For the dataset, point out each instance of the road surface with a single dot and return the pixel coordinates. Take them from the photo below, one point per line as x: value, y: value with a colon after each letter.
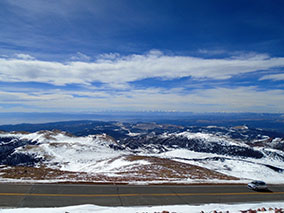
x: 55, y: 195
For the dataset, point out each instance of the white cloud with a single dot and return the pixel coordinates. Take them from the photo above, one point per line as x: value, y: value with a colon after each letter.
x: 119, y: 70
x: 80, y: 57
x: 109, y: 56
x: 274, y: 77
x: 24, y: 56
x: 241, y: 99
x: 249, y: 55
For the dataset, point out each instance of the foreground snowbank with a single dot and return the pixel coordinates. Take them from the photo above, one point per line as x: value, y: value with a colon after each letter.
x: 232, y: 208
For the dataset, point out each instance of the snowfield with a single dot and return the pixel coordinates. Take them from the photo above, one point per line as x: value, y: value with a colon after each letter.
x: 245, y: 169
x: 75, y: 154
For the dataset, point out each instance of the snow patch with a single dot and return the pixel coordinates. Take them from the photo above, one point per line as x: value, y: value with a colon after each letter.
x: 232, y: 208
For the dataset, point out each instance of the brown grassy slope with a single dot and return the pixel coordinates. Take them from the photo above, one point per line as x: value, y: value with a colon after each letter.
x: 158, y: 169
x: 167, y: 169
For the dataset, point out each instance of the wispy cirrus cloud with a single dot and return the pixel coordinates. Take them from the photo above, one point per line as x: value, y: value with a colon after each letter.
x: 273, y: 77
x: 80, y: 57
x: 118, y: 69
x: 240, y: 99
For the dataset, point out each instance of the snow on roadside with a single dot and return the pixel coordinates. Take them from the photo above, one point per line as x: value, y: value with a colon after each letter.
x: 232, y: 208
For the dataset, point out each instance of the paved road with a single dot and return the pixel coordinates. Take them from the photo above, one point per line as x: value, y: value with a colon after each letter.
x: 52, y: 195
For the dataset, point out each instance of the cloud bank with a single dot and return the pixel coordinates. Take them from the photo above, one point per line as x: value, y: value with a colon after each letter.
x: 115, y: 92
x: 123, y: 69
x: 241, y: 99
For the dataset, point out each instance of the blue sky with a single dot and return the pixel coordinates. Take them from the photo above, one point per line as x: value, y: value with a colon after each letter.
x: 132, y: 55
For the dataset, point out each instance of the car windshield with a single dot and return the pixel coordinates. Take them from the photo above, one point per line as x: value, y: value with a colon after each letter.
x: 258, y: 182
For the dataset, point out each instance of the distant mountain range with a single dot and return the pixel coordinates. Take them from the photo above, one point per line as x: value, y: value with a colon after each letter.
x: 269, y: 121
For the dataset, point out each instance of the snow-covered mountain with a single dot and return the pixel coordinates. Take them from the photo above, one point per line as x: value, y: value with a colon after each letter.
x: 144, y: 152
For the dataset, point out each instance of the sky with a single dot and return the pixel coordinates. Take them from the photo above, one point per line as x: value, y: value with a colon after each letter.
x: 151, y: 55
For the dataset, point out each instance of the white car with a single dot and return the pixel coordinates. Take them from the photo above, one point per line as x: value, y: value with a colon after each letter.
x: 257, y: 185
